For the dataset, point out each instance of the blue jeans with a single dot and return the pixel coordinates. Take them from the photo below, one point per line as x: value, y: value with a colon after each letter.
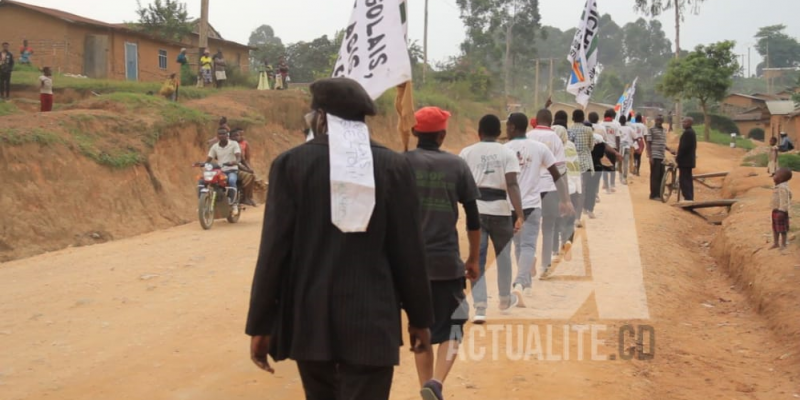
x: 501, y: 230
x: 233, y: 177
x: 525, y: 246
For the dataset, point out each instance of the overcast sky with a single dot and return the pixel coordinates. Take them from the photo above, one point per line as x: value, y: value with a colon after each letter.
x: 297, y: 20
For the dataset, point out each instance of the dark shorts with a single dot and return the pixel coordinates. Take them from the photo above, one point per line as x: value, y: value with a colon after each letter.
x: 780, y: 221
x: 450, y: 310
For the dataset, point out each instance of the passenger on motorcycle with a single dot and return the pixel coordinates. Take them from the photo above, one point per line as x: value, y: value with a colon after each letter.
x: 246, y: 173
x: 228, y: 155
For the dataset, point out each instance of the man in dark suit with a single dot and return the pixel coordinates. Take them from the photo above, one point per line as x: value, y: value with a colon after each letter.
x: 687, y: 159
x: 331, y: 300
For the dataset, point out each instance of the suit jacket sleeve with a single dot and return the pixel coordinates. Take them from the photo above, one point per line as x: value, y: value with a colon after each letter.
x: 406, y: 249
x: 274, y: 255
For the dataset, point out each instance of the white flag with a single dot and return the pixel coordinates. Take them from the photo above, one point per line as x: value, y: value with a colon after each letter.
x: 374, y: 52
x: 583, y: 55
x: 627, y: 105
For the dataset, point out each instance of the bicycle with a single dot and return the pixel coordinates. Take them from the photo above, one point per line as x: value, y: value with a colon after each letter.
x: 669, y: 183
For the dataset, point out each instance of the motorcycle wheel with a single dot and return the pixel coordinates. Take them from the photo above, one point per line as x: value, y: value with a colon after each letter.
x: 205, y: 212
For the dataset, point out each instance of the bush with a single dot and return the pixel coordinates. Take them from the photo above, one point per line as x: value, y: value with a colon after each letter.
x: 791, y: 161
x: 757, y: 134
x: 718, y: 122
x: 238, y: 78
x: 724, y: 139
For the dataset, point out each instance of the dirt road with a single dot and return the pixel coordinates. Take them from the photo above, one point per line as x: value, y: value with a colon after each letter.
x: 161, y: 316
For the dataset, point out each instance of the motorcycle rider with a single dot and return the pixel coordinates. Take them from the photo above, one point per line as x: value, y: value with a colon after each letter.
x: 228, y: 155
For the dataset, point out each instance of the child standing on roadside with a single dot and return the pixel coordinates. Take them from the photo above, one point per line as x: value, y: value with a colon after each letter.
x: 772, y: 166
x: 46, y: 90
x: 781, y: 199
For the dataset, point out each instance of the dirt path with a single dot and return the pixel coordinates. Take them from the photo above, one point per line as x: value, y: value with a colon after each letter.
x: 161, y: 316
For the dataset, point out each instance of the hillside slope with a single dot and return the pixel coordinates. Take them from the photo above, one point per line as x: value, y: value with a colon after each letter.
x: 119, y: 165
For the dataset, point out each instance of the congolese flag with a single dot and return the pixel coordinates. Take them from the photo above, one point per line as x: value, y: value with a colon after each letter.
x: 583, y: 55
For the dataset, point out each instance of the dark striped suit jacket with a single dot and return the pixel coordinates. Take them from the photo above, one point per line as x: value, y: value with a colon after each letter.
x: 328, y: 296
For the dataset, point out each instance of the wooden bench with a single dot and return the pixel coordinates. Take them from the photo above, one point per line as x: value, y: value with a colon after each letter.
x: 702, y: 178
x: 693, y: 206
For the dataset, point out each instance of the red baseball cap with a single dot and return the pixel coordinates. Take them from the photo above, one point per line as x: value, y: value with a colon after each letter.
x: 431, y: 119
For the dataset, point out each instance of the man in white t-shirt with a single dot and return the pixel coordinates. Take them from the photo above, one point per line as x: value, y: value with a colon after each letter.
x: 495, y: 170
x: 611, y: 138
x: 641, y: 132
x: 626, y: 143
x: 535, y: 159
x: 228, y: 155
x: 547, y: 186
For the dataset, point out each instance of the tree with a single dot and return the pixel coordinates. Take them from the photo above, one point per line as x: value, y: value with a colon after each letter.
x: 796, y: 96
x: 782, y: 49
x: 654, y: 8
x: 609, y: 88
x: 312, y: 60
x: 705, y: 74
x: 492, y: 29
x: 268, y: 46
x: 168, y: 19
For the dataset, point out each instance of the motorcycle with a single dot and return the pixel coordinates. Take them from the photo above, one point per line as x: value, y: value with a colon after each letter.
x: 213, y: 189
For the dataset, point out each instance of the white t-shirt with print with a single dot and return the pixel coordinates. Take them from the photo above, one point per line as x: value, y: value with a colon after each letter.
x: 489, y: 163
x: 612, y: 132
x: 225, y: 154
x: 626, y: 136
x: 549, y: 138
x: 534, y: 160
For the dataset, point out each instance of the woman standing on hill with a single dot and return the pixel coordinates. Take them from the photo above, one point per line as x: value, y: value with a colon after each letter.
x: 205, y: 68
x: 219, y: 68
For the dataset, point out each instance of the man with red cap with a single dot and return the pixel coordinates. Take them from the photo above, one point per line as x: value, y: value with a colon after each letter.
x: 443, y: 181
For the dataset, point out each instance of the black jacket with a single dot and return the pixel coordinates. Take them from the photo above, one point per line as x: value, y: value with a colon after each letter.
x: 687, y: 150
x: 328, y: 296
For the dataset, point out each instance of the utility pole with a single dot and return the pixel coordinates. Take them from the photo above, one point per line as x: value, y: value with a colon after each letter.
x: 677, y: 6
x: 766, y: 72
x: 425, y: 45
x: 748, y: 62
x: 203, y: 40
x: 551, y: 78
x: 536, y: 88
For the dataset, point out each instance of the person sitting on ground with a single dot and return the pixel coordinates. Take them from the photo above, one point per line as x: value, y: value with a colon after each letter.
x: 247, y: 176
x: 25, y: 53
x: 786, y: 143
x: 228, y: 155
x: 781, y: 200
x: 170, y: 88
x: 772, y: 165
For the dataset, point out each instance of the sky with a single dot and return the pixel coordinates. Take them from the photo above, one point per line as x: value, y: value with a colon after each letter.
x: 304, y: 20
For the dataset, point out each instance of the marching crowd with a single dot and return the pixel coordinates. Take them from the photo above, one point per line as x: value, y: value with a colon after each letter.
x: 331, y: 301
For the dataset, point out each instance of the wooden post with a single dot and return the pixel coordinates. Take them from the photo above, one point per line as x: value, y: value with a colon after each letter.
x: 551, y: 77
x: 536, y: 88
x: 425, y: 45
x: 203, y: 39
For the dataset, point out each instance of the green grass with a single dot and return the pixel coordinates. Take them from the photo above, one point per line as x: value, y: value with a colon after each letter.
x: 724, y: 139
x: 101, y: 86
x: 17, y: 137
x: 115, y: 158
x: 7, y: 108
x: 791, y: 161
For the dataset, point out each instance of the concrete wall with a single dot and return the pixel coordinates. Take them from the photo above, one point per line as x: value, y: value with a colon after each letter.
x: 47, y: 36
x: 61, y: 45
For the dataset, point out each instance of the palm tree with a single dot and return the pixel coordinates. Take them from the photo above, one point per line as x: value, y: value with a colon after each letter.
x: 654, y: 8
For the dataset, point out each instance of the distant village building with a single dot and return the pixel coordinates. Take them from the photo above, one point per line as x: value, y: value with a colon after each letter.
x: 77, y: 45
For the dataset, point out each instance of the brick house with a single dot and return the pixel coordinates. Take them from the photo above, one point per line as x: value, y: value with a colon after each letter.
x: 73, y: 44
